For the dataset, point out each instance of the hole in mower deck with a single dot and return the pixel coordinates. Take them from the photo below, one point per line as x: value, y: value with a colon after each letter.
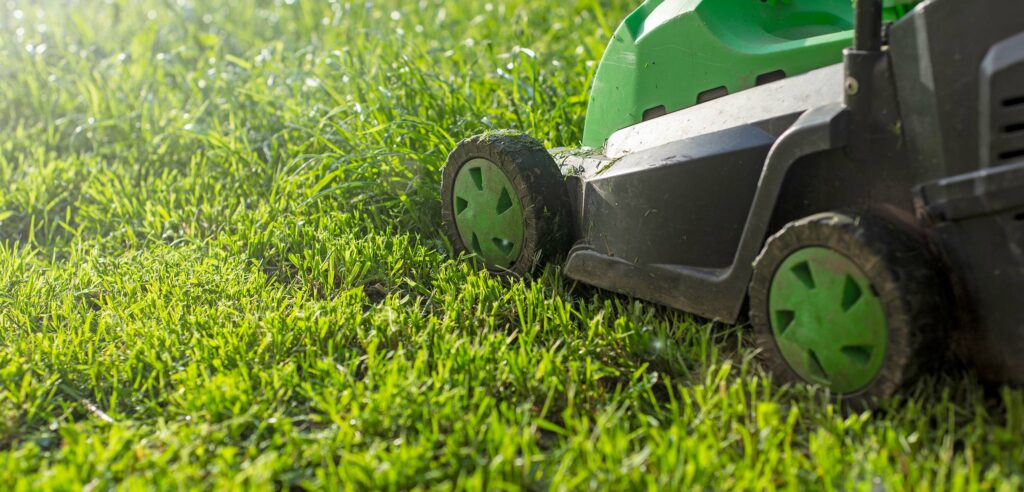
x: 767, y: 78
x: 1013, y: 101
x: 712, y: 94
x: 1013, y: 154
x: 655, y: 112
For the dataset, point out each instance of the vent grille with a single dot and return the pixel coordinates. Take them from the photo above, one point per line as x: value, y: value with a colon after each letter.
x: 1008, y: 144
x: 1013, y: 102
x: 1011, y: 155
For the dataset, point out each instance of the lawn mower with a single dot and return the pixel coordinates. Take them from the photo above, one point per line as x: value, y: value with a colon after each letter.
x: 847, y: 177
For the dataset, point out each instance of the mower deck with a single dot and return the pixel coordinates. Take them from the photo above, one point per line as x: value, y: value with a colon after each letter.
x: 641, y: 210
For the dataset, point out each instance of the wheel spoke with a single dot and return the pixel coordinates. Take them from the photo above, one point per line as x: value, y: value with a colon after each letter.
x: 488, y: 213
x: 861, y: 324
x: 827, y: 321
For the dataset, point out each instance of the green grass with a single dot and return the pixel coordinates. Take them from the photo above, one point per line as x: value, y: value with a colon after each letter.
x: 220, y: 267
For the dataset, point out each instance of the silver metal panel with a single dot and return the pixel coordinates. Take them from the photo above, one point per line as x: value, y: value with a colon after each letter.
x: 788, y: 96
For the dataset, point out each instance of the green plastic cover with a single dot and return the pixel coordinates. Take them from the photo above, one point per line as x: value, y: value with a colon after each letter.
x: 672, y: 54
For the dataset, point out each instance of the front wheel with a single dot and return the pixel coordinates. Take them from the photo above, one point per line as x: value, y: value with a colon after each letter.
x: 850, y: 302
x: 504, y: 201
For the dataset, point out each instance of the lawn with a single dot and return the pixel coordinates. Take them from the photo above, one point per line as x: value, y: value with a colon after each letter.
x: 221, y: 267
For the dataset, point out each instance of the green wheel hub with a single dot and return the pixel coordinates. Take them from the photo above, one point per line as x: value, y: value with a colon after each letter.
x: 827, y: 320
x: 488, y: 213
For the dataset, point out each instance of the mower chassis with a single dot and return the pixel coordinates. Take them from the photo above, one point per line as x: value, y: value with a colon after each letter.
x: 628, y: 203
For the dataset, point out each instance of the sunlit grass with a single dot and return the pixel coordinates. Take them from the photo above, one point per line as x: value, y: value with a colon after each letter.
x: 220, y: 266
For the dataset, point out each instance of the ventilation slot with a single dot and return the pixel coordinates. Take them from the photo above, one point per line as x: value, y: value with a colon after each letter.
x: 1014, y: 128
x: 1008, y: 145
x: 1013, y: 102
x: 655, y: 112
x: 767, y: 78
x: 712, y: 94
x: 1013, y: 154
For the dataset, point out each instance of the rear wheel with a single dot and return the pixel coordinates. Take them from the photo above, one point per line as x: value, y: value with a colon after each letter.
x: 849, y: 302
x: 505, y: 201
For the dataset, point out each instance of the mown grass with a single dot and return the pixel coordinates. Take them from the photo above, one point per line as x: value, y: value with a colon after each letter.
x: 220, y: 267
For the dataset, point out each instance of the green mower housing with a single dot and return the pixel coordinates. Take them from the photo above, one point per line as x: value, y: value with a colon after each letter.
x: 670, y: 55
x: 849, y: 179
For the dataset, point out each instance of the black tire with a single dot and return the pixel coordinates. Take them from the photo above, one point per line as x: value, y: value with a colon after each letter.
x: 539, y: 185
x: 904, y: 274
